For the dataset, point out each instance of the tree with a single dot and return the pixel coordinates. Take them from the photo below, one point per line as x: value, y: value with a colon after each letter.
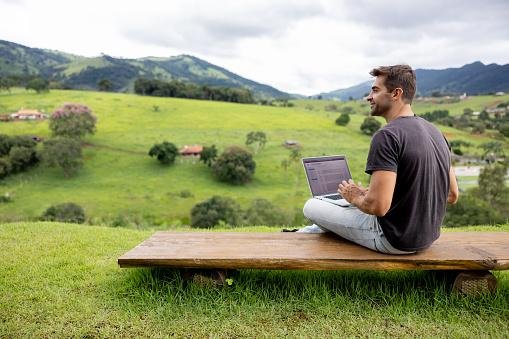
x: 370, y: 126
x: 104, y: 85
x: 6, y: 84
x: 72, y: 121
x: 258, y: 138
x: 468, y: 111
x: 215, y: 210
x: 208, y: 155
x: 66, y: 212
x: 492, y: 187
x: 343, y: 119
x: 22, y: 158
x: 166, y: 152
x: 64, y: 153
x: 38, y: 84
x: 235, y: 165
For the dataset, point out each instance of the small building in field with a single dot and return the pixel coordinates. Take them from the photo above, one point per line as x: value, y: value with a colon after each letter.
x: 28, y: 114
x: 191, y: 151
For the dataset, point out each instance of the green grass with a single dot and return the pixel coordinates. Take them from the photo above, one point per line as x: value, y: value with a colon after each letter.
x: 62, y: 280
x: 120, y: 179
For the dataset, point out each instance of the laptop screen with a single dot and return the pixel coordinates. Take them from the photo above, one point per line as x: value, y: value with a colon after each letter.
x: 324, y: 174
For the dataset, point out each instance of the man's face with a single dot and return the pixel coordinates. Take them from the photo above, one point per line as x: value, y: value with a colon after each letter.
x: 379, y: 98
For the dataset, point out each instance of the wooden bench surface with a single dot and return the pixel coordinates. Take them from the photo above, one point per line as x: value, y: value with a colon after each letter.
x: 452, y: 251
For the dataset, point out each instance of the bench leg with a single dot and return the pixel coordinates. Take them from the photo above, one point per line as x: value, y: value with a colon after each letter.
x: 214, y: 277
x: 474, y: 283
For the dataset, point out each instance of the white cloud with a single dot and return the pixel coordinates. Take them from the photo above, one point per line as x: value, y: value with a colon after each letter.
x: 297, y: 46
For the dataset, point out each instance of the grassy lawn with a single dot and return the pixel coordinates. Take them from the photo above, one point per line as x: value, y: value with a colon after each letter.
x: 120, y: 179
x: 62, y: 280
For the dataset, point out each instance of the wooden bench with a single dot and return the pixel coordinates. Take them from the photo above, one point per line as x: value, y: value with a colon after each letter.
x: 468, y: 256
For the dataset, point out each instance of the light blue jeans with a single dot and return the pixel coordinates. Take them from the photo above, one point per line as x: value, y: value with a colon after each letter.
x: 350, y: 223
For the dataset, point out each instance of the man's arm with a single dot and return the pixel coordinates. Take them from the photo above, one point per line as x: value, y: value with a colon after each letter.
x: 377, y: 200
x: 453, y: 195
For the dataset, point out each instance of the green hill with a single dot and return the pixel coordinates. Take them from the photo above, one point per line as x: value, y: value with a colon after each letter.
x: 119, y: 179
x: 80, y: 72
x: 62, y: 280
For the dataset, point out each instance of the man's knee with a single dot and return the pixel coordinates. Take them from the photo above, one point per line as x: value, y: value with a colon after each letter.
x: 311, y: 208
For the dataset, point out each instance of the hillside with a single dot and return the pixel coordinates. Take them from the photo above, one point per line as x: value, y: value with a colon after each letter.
x: 84, y: 73
x: 120, y: 182
x: 62, y: 280
x: 473, y: 79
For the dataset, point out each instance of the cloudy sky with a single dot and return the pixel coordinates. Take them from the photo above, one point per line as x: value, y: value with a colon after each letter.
x: 299, y: 46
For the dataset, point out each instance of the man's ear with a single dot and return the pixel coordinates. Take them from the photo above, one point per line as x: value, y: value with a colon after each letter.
x: 397, y: 94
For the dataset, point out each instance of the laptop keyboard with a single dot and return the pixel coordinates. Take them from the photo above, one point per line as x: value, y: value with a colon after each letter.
x: 333, y: 197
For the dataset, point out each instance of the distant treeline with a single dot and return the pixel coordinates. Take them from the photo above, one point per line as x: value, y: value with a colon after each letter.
x: 179, y: 89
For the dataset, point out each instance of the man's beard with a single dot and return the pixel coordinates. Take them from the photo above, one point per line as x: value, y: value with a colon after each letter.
x: 378, y: 110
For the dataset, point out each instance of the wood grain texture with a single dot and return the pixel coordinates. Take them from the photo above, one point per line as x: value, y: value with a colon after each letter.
x: 453, y: 251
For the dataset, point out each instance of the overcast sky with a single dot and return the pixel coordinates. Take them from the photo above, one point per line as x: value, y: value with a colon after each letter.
x: 297, y: 46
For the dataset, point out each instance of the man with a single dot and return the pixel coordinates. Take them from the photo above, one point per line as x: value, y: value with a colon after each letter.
x: 411, y: 176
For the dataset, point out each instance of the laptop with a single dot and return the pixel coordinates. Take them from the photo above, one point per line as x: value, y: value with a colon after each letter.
x: 324, y: 174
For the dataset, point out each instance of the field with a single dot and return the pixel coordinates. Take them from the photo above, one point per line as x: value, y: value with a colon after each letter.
x: 61, y: 280
x: 119, y: 179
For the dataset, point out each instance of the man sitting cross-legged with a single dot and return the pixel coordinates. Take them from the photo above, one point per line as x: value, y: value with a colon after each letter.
x: 411, y: 177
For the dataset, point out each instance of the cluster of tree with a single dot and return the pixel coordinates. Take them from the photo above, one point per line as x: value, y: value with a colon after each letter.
x: 477, y: 124
x: 36, y: 83
x: 221, y: 210
x: 492, y: 150
x: 17, y: 154
x: 235, y: 165
x: 179, y: 89
x: 276, y: 103
x: 486, y: 204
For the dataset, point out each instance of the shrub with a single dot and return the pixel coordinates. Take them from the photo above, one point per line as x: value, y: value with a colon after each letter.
x: 5, y: 198
x: 166, y: 152
x: 72, y: 121
x: 235, y: 166
x: 470, y: 210
x: 64, y: 153
x: 215, y: 210
x: 66, y: 212
x: 22, y: 158
x: 331, y: 108
x: 370, y: 126
x: 343, y: 119
x: 7, y: 142
x: 186, y: 194
x: 263, y: 212
x: 5, y: 167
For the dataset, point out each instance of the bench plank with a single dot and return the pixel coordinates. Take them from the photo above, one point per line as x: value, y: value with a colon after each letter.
x: 234, y: 250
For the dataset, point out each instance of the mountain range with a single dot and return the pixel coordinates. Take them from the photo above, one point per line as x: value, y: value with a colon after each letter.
x: 74, y: 71
x: 80, y: 72
x: 474, y: 78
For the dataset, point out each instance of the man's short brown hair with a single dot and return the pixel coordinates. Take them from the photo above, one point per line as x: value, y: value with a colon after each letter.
x: 398, y: 76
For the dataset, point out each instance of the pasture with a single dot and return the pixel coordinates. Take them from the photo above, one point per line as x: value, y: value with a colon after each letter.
x: 119, y: 180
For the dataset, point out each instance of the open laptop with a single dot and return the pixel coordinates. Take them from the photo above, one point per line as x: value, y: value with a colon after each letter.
x: 324, y: 174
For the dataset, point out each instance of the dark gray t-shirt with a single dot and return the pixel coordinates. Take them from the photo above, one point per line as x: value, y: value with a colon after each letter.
x: 419, y: 154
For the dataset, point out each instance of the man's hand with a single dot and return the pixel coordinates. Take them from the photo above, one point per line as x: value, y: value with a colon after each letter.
x: 351, y: 192
x: 377, y: 200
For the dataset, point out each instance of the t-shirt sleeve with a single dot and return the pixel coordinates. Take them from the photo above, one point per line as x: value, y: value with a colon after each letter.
x: 383, y: 153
